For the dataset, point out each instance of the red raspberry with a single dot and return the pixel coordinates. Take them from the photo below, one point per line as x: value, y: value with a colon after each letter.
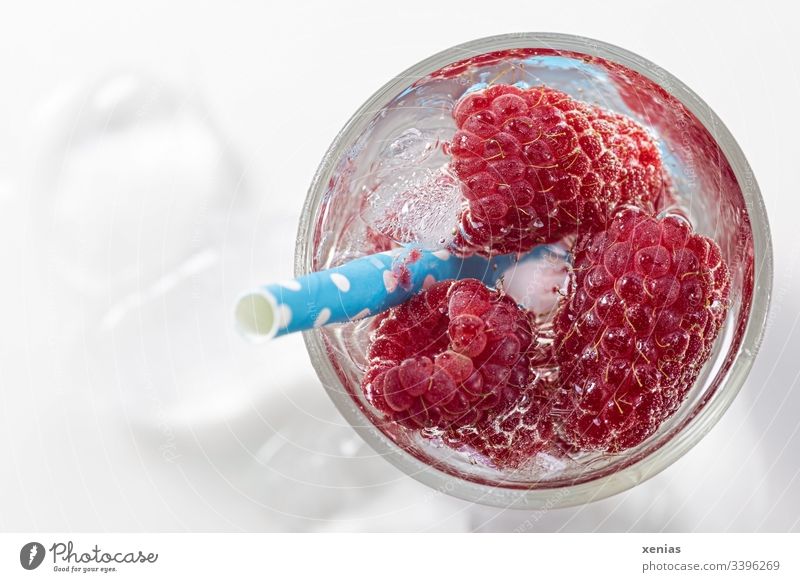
x: 449, y: 356
x: 646, y: 302
x: 536, y: 165
x: 512, y: 437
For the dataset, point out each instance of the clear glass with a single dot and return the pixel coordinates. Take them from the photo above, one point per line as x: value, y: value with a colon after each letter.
x: 716, y: 189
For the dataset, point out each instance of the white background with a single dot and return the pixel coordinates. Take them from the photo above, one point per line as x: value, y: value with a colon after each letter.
x: 153, y: 161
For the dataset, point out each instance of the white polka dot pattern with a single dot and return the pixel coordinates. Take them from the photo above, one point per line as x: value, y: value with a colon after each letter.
x: 342, y: 283
x: 323, y: 317
x: 284, y: 316
x: 389, y: 281
x: 291, y: 285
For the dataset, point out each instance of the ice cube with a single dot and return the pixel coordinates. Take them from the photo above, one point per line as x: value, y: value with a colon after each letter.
x: 539, y: 280
x: 415, y: 205
x: 408, y: 149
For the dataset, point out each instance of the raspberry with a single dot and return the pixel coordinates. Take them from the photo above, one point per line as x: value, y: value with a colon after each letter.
x: 646, y: 302
x: 536, y: 165
x: 450, y: 356
x: 513, y: 436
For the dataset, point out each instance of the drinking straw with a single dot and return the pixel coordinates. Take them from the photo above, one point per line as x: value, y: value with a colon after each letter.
x: 357, y: 289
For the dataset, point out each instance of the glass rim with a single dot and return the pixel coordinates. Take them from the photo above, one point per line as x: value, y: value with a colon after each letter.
x: 512, y: 495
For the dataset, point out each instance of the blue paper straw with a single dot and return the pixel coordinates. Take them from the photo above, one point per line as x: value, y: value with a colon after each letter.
x: 357, y: 289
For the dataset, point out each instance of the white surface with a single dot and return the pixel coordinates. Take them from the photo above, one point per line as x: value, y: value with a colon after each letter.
x: 130, y: 404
